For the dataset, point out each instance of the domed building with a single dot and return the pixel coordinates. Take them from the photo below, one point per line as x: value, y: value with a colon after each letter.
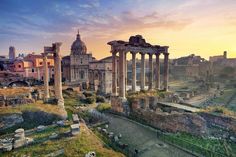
x: 76, y: 65
x: 81, y: 69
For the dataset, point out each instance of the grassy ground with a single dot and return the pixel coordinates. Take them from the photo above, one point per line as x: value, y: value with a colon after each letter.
x: 38, y: 106
x: 203, y: 146
x: 77, y: 146
x: 14, y: 91
x: 73, y: 146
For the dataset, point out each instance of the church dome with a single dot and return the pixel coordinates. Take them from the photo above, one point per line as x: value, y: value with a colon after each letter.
x: 78, y: 47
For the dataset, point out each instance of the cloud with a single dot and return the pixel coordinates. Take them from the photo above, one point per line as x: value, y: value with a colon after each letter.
x: 110, y: 25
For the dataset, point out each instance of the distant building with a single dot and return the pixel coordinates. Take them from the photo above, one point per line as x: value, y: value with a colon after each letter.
x: 32, y: 66
x: 12, y: 53
x: 190, y: 67
x: 83, y: 70
x: 100, y: 75
x: 219, y: 63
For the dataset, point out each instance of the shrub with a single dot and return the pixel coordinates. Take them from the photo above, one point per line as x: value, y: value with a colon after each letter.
x: 103, y: 107
x: 90, y: 100
x: 100, y: 99
x: 88, y: 94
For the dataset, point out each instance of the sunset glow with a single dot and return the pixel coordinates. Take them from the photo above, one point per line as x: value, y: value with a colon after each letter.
x: 202, y: 27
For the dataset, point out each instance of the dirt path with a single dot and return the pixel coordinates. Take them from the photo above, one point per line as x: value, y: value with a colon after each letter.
x: 143, y: 138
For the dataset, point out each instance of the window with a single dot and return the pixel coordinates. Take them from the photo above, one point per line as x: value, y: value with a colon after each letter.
x: 52, y: 69
x: 48, y: 63
x: 40, y: 63
x: 19, y: 66
x: 32, y: 70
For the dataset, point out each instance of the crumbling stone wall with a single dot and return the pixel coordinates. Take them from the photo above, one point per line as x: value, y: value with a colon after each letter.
x: 15, y: 100
x: 228, y: 123
x: 173, y: 122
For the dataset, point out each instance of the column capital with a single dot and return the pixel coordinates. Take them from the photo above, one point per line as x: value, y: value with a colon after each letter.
x: 166, y: 54
x: 142, y: 53
x: 150, y: 54
x: 133, y: 52
x: 114, y: 52
x: 157, y: 54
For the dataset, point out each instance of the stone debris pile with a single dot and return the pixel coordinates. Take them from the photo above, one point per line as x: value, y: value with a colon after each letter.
x: 19, y: 140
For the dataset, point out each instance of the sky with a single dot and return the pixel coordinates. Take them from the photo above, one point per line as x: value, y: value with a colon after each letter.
x: 201, y: 27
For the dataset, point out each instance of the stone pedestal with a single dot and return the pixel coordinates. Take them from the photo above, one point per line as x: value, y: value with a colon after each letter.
x: 75, y: 129
x: 19, y: 138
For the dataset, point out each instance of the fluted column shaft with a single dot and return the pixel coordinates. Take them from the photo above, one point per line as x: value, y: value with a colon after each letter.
x: 142, y: 72
x: 150, y: 73
x: 126, y: 78
x: 45, y: 78
x: 57, y: 75
x: 122, y: 74
x: 114, y: 74
x: 166, y: 71
x: 158, y: 71
x: 133, y: 71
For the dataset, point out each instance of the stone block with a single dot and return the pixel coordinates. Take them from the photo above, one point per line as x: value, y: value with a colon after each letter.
x: 75, y: 129
x: 75, y: 118
x: 41, y: 128
x: 19, y: 143
x: 53, y: 136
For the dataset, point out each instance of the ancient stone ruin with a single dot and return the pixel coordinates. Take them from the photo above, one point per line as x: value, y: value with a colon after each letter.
x: 136, y: 45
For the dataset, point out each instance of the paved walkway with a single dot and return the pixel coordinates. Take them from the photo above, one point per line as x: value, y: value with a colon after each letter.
x: 143, y: 138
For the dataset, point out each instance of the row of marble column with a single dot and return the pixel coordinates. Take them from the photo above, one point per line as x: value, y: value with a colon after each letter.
x: 123, y: 72
x: 57, y: 75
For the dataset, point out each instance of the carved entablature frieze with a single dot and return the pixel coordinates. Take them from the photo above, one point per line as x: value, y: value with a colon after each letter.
x: 137, y: 44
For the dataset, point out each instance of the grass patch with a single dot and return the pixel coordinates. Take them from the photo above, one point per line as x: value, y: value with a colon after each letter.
x: 204, y: 146
x: 103, y: 107
x: 77, y: 146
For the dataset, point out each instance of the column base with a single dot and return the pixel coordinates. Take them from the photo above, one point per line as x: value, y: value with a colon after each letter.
x: 60, y: 103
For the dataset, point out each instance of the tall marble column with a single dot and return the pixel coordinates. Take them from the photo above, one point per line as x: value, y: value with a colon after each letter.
x: 166, y: 71
x: 142, y: 72
x: 150, y: 73
x: 133, y: 71
x: 158, y: 71
x: 122, y: 74
x: 114, y: 74
x: 46, y: 77
x: 57, y: 75
x: 126, y: 72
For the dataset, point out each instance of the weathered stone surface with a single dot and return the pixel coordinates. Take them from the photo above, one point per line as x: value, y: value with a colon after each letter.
x: 75, y: 129
x: 228, y: 123
x: 173, y: 122
x: 120, y: 104
x: 9, y: 120
x: 75, y: 118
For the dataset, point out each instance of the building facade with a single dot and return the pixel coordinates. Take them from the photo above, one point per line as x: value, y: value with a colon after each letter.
x: 32, y: 66
x: 81, y: 69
